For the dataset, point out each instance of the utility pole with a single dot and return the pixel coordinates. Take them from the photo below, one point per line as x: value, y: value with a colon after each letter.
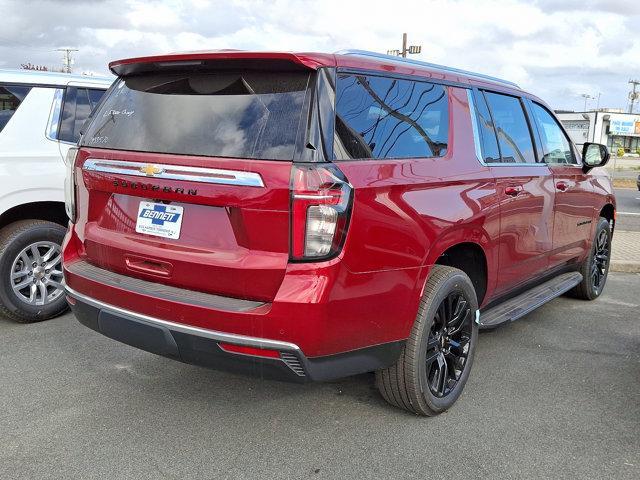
x: 633, y: 95
x: 67, y: 60
x: 412, y: 49
x: 586, y: 97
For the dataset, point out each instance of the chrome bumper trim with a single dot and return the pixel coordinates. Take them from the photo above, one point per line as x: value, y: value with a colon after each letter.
x: 187, y: 329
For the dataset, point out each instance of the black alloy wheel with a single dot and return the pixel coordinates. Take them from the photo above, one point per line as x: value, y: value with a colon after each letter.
x: 595, y: 267
x: 448, y: 344
x: 435, y: 362
x: 600, y: 261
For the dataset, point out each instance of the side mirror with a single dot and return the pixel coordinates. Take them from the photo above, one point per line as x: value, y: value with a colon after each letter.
x: 594, y: 155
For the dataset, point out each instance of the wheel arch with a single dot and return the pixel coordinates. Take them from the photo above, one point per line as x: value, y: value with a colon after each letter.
x: 471, y: 258
x: 608, y: 211
x: 52, y: 211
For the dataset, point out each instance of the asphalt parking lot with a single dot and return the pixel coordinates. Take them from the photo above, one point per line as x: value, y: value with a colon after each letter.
x: 554, y: 395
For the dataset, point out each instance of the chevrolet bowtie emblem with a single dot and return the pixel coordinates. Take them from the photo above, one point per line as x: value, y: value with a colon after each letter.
x: 151, y: 170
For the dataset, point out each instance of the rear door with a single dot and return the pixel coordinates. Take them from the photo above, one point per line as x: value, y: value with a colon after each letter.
x: 525, y: 188
x: 185, y: 179
x: 573, y: 211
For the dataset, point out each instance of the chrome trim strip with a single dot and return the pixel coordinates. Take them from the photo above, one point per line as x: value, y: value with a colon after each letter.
x: 187, y: 329
x: 176, y: 172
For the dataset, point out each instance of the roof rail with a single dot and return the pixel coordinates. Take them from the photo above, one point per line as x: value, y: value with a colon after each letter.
x: 393, y: 58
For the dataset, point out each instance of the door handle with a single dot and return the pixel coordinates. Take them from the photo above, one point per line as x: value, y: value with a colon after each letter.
x: 562, y: 186
x: 513, y: 190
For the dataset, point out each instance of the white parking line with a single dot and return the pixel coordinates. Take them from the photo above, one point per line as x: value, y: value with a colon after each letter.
x: 628, y: 213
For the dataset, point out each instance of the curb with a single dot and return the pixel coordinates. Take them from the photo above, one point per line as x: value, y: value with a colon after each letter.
x: 626, y: 267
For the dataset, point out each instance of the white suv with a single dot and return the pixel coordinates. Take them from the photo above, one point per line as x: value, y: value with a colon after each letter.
x: 41, y: 114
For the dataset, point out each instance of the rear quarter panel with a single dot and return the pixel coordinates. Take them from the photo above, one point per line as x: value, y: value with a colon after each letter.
x: 407, y: 212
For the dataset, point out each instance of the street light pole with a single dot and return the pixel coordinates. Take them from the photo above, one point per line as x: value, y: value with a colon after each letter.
x: 404, y: 46
x: 586, y: 97
x: 411, y: 49
x: 633, y: 95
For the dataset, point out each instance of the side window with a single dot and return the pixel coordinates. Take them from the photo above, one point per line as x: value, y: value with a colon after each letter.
x: 10, y: 99
x: 380, y: 117
x: 487, y: 133
x: 77, y: 108
x: 512, y: 128
x: 556, y: 147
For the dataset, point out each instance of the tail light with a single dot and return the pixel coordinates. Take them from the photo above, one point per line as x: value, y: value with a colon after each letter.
x: 70, y: 184
x: 320, y: 205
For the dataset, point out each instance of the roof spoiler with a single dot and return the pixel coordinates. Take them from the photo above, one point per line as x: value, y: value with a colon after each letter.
x: 220, y: 59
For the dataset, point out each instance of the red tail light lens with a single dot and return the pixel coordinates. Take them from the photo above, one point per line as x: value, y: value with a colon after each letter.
x: 320, y: 206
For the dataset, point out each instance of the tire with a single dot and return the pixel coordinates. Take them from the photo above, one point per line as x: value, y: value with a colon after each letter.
x: 599, y: 258
x: 411, y: 383
x: 45, y: 299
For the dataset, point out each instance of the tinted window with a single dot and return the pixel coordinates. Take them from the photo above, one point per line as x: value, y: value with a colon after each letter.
x: 380, y: 117
x: 10, y: 99
x: 77, y: 107
x: 511, y: 126
x: 487, y: 133
x: 227, y: 114
x: 94, y: 96
x: 555, y: 145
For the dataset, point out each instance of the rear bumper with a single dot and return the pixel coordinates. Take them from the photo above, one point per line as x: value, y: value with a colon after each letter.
x: 200, y: 346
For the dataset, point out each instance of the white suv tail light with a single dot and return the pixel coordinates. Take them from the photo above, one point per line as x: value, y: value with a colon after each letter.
x: 70, y: 184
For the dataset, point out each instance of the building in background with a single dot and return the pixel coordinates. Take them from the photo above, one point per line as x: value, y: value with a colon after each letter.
x: 609, y: 126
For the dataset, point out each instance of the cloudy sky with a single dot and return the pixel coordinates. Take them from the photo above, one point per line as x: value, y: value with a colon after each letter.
x: 557, y: 49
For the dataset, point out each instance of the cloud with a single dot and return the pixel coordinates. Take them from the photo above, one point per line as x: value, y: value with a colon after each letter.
x: 557, y: 50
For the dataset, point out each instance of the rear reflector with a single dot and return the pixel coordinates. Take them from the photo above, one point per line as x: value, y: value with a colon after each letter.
x: 256, y: 352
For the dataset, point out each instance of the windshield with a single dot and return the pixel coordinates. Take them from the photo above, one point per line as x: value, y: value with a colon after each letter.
x: 222, y: 114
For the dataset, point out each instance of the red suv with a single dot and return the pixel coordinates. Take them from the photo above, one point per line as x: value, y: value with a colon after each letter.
x: 311, y: 216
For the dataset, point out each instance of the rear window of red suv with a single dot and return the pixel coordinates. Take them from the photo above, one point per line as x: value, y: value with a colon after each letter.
x: 221, y: 114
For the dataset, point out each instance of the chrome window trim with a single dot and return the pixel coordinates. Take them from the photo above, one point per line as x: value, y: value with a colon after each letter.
x: 476, y: 141
x: 187, y: 329
x: 176, y: 172
x: 507, y: 164
x: 53, y: 123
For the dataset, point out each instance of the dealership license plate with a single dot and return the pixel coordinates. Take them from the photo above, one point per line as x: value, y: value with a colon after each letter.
x: 159, y: 220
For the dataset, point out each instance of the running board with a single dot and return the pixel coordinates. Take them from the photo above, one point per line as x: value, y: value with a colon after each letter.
x: 528, y: 301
